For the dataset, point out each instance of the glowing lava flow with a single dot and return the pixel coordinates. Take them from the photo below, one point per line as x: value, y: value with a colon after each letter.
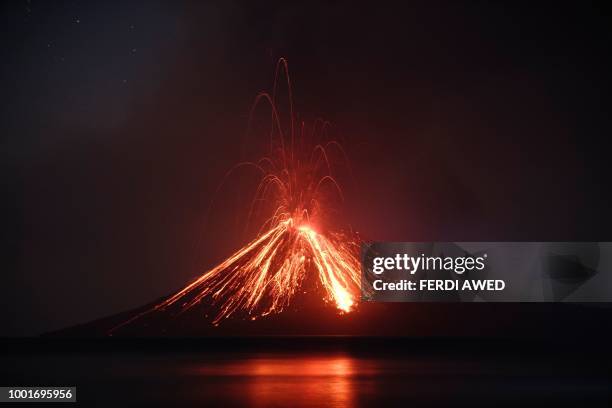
x: 264, y: 276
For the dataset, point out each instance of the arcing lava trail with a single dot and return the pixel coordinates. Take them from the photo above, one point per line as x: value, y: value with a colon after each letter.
x: 263, y: 276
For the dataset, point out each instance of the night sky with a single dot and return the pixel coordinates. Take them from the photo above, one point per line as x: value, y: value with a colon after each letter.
x: 118, y: 119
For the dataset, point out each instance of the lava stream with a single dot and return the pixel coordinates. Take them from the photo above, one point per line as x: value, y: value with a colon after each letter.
x: 263, y: 276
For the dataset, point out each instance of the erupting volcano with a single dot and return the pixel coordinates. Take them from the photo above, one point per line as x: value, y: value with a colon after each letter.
x: 263, y: 276
x: 298, y: 187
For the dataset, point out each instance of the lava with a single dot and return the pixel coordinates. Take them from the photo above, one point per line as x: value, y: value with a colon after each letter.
x: 264, y: 275
x: 298, y: 185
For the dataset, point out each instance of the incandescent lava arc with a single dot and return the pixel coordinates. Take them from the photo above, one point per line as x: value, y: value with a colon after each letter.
x: 298, y: 186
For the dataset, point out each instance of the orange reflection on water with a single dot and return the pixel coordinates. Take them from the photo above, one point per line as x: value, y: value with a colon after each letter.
x: 309, y: 380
